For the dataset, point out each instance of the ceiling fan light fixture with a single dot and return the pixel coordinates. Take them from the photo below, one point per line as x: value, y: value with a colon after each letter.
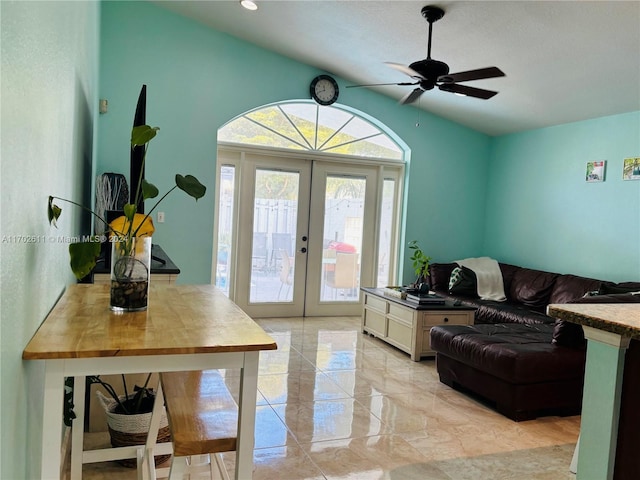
x: 249, y: 4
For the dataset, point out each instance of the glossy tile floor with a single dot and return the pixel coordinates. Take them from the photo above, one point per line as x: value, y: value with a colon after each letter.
x: 336, y: 404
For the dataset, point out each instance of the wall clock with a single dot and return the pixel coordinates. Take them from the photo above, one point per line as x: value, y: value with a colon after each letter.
x: 324, y: 90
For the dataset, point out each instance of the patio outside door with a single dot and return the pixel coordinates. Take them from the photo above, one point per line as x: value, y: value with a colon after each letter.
x: 305, y: 236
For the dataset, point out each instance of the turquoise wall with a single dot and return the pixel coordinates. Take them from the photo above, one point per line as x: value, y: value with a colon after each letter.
x: 520, y: 198
x: 49, y: 102
x: 541, y: 212
x: 198, y: 79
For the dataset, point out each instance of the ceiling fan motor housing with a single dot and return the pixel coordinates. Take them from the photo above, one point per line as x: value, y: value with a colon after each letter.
x: 430, y: 69
x: 432, y: 13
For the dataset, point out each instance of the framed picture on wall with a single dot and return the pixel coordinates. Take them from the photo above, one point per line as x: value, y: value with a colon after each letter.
x: 595, y: 171
x: 631, y: 169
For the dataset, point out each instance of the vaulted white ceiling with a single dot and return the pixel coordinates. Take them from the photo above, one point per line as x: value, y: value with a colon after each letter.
x: 564, y: 61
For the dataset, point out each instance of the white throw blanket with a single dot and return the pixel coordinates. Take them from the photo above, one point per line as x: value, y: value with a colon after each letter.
x: 489, y: 276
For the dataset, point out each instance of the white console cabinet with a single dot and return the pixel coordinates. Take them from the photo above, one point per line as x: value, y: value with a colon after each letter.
x: 406, y: 325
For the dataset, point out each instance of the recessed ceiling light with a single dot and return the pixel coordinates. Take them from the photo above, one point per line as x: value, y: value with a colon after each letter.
x: 249, y: 4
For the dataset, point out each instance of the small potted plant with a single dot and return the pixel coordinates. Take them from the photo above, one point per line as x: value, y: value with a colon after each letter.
x: 130, y: 235
x: 420, y: 263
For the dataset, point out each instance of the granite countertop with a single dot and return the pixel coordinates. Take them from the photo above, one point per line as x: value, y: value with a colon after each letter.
x: 619, y: 318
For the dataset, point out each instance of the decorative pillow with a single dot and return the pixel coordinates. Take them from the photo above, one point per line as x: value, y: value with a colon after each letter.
x: 463, y: 282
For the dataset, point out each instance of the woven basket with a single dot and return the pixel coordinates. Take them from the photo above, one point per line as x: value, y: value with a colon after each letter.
x: 128, y: 430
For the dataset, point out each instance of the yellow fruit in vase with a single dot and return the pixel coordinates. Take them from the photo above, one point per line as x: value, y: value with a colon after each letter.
x: 142, y: 226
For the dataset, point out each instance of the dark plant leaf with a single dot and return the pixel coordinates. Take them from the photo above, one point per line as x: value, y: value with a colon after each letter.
x: 143, y: 134
x: 68, y: 413
x: 191, y: 185
x: 53, y: 212
x: 83, y: 257
x: 129, y: 211
x: 149, y: 190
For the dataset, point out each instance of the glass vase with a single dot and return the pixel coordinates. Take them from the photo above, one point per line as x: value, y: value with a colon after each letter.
x: 130, y: 274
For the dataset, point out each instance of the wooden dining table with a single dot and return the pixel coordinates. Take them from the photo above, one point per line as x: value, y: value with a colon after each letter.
x: 186, y: 327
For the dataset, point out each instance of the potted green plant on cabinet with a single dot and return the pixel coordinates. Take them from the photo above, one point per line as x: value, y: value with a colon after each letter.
x: 420, y: 262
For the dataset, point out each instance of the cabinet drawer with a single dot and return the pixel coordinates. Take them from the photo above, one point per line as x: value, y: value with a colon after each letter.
x: 400, y: 334
x: 375, y: 303
x: 374, y: 322
x: 445, y: 317
x: 401, y: 312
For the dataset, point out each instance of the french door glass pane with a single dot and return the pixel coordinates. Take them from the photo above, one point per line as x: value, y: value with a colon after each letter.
x: 274, y: 233
x: 225, y: 225
x: 342, y: 244
x: 386, y: 231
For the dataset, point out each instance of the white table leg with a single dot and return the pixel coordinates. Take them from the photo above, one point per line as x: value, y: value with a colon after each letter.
x: 152, y: 435
x: 247, y: 416
x: 50, y: 464
x: 77, y: 431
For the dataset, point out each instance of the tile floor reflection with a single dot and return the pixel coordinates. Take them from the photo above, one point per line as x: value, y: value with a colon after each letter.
x: 336, y: 404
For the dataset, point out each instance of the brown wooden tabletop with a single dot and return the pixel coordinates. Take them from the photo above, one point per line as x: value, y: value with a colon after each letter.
x: 180, y: 319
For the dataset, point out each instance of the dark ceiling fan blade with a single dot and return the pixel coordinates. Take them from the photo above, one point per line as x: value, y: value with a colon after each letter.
x: 479, y: 74
x: 404, y: 69
x: 412, y: 96
x: 468, y: 91
x: 402, y: 84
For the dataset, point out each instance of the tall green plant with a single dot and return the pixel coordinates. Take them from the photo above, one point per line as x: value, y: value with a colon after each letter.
x: 132, y: 224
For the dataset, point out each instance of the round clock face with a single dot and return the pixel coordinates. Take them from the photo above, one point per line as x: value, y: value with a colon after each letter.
x: 324, y: 90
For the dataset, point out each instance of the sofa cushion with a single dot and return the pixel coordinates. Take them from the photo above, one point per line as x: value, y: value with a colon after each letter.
x: 490, y: 311
x: 464, y: 282
x: 508, y: 272
x: 532, y: 287
x: 516, y: 353
x: 568, y: 288
x: 619, y: 288
x: 612, y: 298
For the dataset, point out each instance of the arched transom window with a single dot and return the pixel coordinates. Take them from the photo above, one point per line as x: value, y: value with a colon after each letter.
x: 308, y: 126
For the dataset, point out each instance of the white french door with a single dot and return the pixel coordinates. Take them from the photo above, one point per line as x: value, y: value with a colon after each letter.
x: 304, y: 238
x: 273, y: 224
x: 342, y: 224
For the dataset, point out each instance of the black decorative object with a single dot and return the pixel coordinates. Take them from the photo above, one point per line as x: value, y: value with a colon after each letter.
x: 137, y: 152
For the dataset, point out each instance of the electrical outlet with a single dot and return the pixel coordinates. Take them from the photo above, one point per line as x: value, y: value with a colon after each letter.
x: 160, y: 217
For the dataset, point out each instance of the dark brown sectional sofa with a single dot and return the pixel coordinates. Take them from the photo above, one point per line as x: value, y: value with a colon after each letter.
x: 522, y: 361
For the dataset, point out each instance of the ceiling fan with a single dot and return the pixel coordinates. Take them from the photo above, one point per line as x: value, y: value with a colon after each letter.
x: 429, y: 73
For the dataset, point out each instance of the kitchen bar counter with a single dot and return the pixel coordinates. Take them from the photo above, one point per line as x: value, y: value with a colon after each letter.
x: 609, y: 330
